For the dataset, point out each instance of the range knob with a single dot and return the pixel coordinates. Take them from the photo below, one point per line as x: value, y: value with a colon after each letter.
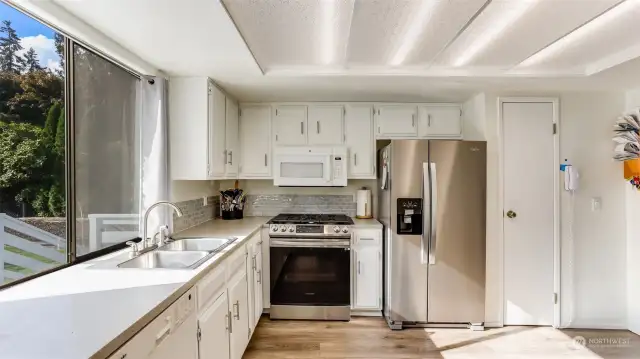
x: 274, y: 228
x: 336, y: 229
x: 283, y: 229
x: 292, y: 229
x: 345, y: 230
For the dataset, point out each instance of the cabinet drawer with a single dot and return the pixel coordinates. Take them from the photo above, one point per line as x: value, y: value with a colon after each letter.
x: 236, y: 263
x: 366, y: 237
x: 208, y: 288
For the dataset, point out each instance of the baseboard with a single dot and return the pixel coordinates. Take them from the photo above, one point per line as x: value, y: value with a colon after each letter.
x: 493, y: 325
x: 366, y: 313
x: 596, y: 325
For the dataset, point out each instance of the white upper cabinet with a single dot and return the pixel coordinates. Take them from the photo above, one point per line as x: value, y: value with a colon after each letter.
x: 358, y: 127
x: 394, y: 121
x: 255, y: 141
x: 217, y: 134
x: 200, y: 144
x: 325, y: 124
x: 290, y: 125
x: 232, y: 148
x: 440, y: 121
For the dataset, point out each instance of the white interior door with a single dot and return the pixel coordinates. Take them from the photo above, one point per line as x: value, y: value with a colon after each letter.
x: 529, y: 213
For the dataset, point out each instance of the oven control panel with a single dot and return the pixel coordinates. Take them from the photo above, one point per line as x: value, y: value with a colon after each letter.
x: 309, y: 230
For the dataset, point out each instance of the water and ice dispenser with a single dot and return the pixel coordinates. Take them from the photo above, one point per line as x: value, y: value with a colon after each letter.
x: 409, y: 216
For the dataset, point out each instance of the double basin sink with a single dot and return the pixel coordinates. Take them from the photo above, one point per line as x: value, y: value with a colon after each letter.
x: 185, y: 253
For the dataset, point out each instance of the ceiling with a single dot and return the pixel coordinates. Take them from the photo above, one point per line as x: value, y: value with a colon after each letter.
x: 382, y: 50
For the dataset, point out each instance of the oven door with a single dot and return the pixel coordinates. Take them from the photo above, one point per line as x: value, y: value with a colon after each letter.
x: 310, y: 279
x: 311, y: 169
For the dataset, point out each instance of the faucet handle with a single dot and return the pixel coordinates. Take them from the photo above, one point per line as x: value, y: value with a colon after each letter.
x: 134, y: 247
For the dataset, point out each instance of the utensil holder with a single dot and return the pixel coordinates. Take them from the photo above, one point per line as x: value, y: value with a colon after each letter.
x: 233, y: 214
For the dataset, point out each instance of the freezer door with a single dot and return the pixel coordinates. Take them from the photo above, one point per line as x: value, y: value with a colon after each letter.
x: 456, y: 260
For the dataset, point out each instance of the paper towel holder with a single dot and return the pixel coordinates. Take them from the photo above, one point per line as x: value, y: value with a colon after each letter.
x: 367, y: 212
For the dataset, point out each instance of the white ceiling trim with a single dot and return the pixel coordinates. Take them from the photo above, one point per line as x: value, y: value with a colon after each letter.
x: 434, y: 71
x: 613, y: 60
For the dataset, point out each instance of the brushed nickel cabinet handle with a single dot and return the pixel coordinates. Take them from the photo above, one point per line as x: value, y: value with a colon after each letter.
x: 318, y: 127
x: 236, y: 307
x: 265, y: 160
x: 302, y: 128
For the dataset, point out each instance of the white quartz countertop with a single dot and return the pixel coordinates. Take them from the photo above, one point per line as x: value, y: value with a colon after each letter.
x: 91, y: 309
x: 366, y: 223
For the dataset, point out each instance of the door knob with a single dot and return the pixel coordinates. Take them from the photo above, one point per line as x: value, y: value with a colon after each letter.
x: 511, y: 214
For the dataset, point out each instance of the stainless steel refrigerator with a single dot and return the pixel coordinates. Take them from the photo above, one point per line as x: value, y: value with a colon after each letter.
x: 432, y: 203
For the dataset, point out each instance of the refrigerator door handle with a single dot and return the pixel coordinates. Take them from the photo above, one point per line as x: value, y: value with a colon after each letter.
x: 425, y: 240
x: 433, y: 213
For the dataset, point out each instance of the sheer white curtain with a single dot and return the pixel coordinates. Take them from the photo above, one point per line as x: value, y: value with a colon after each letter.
x: 154, y: 152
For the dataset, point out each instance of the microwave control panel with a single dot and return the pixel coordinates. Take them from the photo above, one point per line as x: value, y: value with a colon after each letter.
x: 337, y: 167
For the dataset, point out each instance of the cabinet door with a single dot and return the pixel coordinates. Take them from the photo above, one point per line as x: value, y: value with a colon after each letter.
x: 368, y: 277
x: 359, y: 134
x: 396, y: 121
x: 231, y: 139
x: 238, y: 304
x: 326, y: 124
x: 290, y: 125
x: 214, y: 329
x: 257, y: 284
x: 217, y: 134
x: 440, y: 121
x: 255, y: 141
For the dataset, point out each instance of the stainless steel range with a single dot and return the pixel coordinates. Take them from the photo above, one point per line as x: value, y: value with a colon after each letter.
x: 310, y: 266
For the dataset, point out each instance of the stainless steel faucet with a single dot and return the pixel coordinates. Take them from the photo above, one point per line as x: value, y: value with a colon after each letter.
x: 146, y: 217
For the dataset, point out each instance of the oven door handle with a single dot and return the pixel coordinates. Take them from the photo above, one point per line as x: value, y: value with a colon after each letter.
x: 310, y: 244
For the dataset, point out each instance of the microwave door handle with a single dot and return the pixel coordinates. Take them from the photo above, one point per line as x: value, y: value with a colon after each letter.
x: 329, y: 172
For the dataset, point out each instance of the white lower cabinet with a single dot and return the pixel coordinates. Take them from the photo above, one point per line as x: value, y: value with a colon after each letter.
x: 214, y: 330
x: 254, y: 275
x: 213, y: 320
x: 238, y: 296
x: 258, y: 302
x: 367, y: 267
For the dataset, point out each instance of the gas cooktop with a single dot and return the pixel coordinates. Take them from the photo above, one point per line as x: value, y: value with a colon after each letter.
x: 305, y: 218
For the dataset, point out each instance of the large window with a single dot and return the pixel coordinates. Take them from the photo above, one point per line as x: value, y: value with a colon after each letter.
x: 32, y: 147
x: 69, y: 168
x: 106, y: 166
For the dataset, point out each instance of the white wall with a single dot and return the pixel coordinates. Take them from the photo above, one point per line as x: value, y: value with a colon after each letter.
x: 188, y: 190
x: 600, y: 237
x: 474, y: 114
x: 633, y: 238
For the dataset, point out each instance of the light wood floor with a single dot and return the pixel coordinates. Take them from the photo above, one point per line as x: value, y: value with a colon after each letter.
x: 370, y: 338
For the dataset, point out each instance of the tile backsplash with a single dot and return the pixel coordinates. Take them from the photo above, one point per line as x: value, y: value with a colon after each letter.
x: 274, y: 204
x: 194, y: 213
